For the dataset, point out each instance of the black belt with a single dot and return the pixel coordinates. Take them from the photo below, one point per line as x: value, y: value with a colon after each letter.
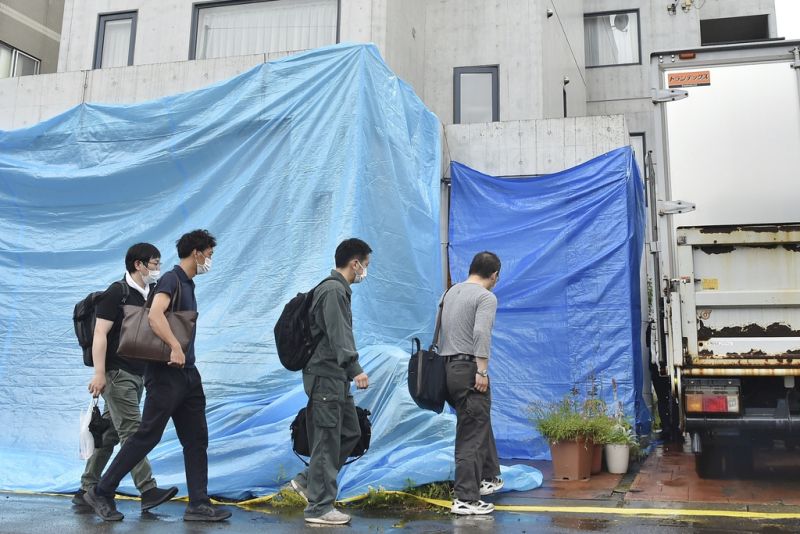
x: 461, y: 358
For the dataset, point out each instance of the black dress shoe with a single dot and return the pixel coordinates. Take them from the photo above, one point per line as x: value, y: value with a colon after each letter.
x: 205, y: 512
x: 155, y: 496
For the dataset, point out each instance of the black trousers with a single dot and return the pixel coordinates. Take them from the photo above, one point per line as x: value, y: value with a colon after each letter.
x: 176, y: 394
x: 476, y: 452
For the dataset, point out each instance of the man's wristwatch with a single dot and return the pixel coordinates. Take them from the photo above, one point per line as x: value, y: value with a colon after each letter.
x: 484, y: 373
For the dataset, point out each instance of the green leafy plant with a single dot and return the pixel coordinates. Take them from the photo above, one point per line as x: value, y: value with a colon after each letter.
x: 565, y: 420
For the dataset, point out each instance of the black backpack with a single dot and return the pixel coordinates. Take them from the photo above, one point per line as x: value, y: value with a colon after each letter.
x: 299, y: 430
x: 293, y: 331
x: 83, y: 318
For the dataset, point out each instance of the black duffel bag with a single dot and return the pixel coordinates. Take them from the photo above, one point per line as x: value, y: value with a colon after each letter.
x: 299, y: 430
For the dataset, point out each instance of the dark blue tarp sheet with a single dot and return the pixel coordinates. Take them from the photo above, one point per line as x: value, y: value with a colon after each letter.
x: 280, y: 163
x: 569, y: 307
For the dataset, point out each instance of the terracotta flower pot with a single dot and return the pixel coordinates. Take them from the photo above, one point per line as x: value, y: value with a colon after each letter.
x: 597, y: 458
x: 572, y: 460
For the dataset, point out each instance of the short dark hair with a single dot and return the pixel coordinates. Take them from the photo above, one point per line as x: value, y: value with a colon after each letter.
x: 349, y: 249
x: 484, y: 264
x: 194, y: 240
x: 143, y: 252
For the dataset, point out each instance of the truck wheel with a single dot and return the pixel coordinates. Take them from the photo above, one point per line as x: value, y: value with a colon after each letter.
x: 725, y: 461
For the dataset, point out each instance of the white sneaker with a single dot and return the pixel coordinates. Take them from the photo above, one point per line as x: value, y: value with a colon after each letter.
x: 491, y: 486
x: 334, y: 517
x: 471, y: 507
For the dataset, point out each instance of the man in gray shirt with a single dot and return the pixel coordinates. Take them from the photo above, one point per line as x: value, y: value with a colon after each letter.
x: 467, y: 317
x: 333, y: 429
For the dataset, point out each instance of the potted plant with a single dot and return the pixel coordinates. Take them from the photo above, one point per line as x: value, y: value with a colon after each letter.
x: 619, y: 438
x: 618, y: 442
x: 568, y: 430
x: 599, y: 429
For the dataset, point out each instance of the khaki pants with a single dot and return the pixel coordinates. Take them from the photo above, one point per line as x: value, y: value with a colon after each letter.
x: 333, y: 432
x: 123, y: 394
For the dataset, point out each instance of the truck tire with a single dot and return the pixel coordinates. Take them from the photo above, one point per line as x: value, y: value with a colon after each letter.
x: 725, y: 461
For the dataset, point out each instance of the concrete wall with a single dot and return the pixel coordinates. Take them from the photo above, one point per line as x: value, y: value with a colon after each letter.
x: 519, y: 148
x: 463, y: 33
x: 562, y: 56
x: 30, y: 99
x: 33, y: 26
x: 404, y: 43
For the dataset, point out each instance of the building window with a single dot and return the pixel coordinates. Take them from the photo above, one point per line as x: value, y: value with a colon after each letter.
x: 612, y: 39
x: 15, y: 62
x: 734, y: 30
x: 240, y: 27
x: 639, y: 146
x: 476, y: 94
x: 116, y: 36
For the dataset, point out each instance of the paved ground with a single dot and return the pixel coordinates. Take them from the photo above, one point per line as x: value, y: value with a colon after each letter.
x: 665, y: 485
x: 31, y: 514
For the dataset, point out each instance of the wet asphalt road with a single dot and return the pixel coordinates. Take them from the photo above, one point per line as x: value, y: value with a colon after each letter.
x: 33, y: 514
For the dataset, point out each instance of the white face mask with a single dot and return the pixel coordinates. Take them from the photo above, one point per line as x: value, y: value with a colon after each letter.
x: 151, y: 277
x: 205, y: 267
x: 360, y: 277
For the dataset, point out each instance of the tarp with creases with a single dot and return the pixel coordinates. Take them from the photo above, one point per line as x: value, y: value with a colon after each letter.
x: 280, y: 163
x: 569, y: 312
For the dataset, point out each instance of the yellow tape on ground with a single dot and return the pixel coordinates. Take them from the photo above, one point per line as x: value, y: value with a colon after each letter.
x: 591, y: 510
x: 596, y: 510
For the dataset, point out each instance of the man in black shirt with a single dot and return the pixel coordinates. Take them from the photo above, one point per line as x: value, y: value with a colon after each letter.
x: 120, y: 380
x: 174, y: 390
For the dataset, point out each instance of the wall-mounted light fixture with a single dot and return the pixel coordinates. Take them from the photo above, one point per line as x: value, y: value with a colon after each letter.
x: 672, y: 8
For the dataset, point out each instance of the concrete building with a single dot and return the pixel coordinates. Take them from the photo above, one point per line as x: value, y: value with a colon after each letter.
x: 30, y: 31
x: 496, y: 74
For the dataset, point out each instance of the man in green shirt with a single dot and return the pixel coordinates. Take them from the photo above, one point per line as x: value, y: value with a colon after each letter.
x: 333, y: 429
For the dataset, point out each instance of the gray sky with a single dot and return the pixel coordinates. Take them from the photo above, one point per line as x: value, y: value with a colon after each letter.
x: 787, y: 14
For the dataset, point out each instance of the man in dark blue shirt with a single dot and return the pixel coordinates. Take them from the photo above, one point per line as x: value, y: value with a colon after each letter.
x: 174, y: 390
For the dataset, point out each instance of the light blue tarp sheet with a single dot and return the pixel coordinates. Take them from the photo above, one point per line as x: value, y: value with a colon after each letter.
x: 569, y: 307
x: 280, y: 163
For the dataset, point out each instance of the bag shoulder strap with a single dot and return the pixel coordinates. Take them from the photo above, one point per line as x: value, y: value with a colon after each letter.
x: 174, y: 299
x: 126, y: 290
x: 435, y: 343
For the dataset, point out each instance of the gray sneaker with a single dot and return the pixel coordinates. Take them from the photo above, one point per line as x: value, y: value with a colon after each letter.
x: 299, y: 489
x: 334, y: 517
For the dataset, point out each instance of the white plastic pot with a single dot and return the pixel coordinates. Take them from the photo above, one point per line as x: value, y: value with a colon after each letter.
x: 617, y: 457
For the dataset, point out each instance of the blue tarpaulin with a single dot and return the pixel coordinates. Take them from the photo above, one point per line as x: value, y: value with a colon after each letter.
x: 280, y: 164
x: 569, y: 312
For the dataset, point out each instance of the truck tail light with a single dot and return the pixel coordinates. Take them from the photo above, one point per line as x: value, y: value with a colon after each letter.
x: 712, y: 398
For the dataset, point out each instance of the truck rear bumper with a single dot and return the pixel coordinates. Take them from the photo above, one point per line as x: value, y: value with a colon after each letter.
x: 786, y: 426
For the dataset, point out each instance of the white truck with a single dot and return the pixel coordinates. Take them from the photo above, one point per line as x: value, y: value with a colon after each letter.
x: 724, y: 246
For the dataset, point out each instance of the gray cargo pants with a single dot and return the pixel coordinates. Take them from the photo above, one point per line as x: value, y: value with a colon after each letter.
x: 333, y: 432
x: 123, y: 394
x: 476, y: 452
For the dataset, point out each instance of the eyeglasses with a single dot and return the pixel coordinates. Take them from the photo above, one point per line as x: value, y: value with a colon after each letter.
x: 154, y: 263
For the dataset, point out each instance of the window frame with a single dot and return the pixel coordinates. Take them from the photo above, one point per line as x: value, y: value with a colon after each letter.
x: 14, y: 54
x: 494, y: 70
x: 643, y: 135
x: 197, y: 6
x: 638, y: 36
x: 100, y: 34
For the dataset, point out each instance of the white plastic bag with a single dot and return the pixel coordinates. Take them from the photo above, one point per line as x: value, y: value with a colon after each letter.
x: 85, y: 437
